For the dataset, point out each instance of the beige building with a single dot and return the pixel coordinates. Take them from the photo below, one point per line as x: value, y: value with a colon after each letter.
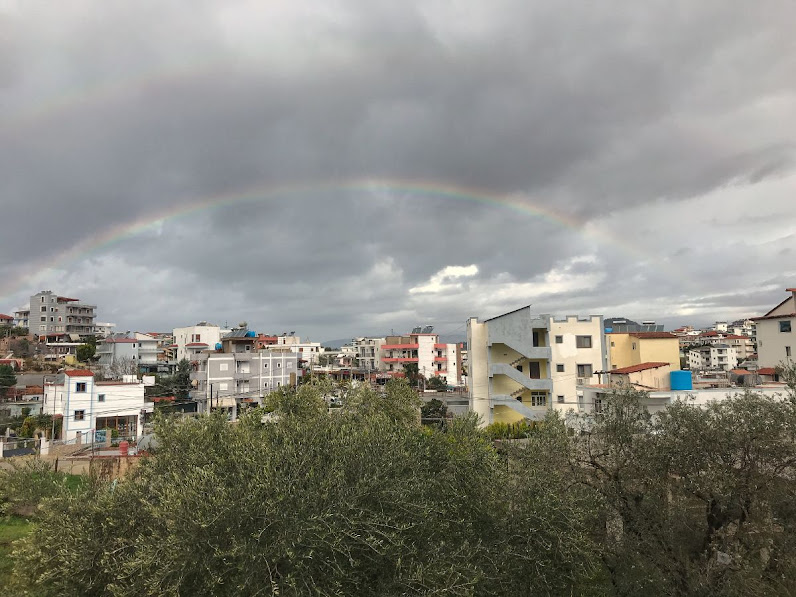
x: 522, y: 365
x: 776, y: 333
x: 635, y: 348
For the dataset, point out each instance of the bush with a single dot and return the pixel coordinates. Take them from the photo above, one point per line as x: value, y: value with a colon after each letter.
x: 26, y: 485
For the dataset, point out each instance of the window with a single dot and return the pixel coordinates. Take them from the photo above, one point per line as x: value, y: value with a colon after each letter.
x: 559, y: 339
x: 634, y: 346
x: 279, y: 365
x: 787, y: 351
x: 100, y: 397
x: 560, y: 399
x: 44, y: 318
x: 598, y: 405
x: 223, y: 366
x: 784, y: 326
x: 613, y: 344
x: 583, y: 341
x: 538, y: 399
x: 560, y: 368
x: 223, y: 387
x: 80, y: 415
x: 80, y: 386
x: 584, y: 370
x: 44, y: 309
x: 265, y: 365
x: 42, y: 328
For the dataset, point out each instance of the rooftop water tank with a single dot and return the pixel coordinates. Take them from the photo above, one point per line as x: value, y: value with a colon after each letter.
x: 681, y: 380
x: 219, y: 346
x: 251, y: 334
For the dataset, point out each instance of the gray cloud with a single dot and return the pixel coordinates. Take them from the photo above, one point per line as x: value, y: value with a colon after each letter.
x: 634, y: 122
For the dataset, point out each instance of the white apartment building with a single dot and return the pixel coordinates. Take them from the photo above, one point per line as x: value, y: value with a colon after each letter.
x: 521, y: 365
x: 86, y: 405
x: 717, y: 356
x: 578, y: 354
x: 307, y: 351
x: 367, y: 352
x: 142, y: 349
x: 776, y: 333
x: 424, y: 349
x: 194, y: 339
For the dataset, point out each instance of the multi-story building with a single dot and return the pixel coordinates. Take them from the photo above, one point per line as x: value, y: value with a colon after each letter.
x: 86, y: 405
x: 367, y: 352
x: 194, y: 339
x: 49, y: 313
x: 308, y: 351
x: 521, y: 365
x: 138, y: 348
x: 776, y: 333
x: 717, y: 356
x: 6, y: 321
x: 635, y: 348
x: 432, y: 357
x: 103, y: 328
x: 238, y: 373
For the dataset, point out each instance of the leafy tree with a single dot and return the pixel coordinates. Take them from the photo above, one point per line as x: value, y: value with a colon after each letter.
x: 435, y: 382
x: 434, y: 412
x: 412, y: 373
x: 21, y: 348
x: 85, y: 352
x: 360, y: 502
x: 8, y: 379
x: 697, y: 501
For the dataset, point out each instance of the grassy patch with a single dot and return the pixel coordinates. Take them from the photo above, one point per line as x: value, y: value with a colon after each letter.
x: 11, y: 529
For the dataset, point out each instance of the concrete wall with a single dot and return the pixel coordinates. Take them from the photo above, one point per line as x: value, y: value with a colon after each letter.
x: 478, y: 378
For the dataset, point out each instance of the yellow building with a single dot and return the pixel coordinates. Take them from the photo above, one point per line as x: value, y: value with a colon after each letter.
x: 626, y: 349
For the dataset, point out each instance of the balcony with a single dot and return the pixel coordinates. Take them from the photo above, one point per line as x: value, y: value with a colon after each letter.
x: 440, y: 359
x: 400, y: 346
x: 400, y: 360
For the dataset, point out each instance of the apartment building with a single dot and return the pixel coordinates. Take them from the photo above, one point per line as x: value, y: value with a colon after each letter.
x: 192, y: 340
x: 141, y: 349
x: 521, y: 365
x: 86, y: 405
x: 716, y: 356
x: 48, y: 313
x: 776, y: 333
x: 424, y: 349
x: 238, y: 373
x: 308, y: 351
x: 6, y: 321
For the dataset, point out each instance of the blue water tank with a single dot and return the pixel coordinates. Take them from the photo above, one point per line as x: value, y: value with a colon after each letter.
x: 219, y: 346
x: 251, y: 334
x: 681, y: 380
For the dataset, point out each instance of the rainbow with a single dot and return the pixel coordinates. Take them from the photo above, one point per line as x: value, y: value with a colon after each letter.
x: 516, y: 203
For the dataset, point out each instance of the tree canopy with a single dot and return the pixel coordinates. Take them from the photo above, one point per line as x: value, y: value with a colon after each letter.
x: 296, y: 499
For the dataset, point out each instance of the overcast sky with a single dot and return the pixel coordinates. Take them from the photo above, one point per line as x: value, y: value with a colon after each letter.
x: 389, y: 164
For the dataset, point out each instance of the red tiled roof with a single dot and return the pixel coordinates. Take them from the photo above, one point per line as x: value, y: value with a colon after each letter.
x: 741, y: 371
x: 639, y: 367
x: 767, y: 371
x: 653, y: 335
x: 79, y: 373
x: 66, y: 298
x: 4, y: 316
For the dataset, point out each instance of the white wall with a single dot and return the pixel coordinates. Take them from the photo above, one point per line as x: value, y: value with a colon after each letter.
x: 570, y: 356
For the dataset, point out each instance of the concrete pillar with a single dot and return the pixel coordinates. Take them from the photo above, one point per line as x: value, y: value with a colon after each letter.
x: 44, y: 449
x: 2, y: 446
x: 79, y: 438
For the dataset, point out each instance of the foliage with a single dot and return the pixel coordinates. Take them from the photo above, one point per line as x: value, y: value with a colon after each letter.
x: 25, y: 485
x: 42, y: 422
x: 8, y: 379
x: 360, y: 502
x: 85, y: 352
x: 520, y: 429
x: 434, y: 412
x: 697, y: 501
x: 12, y: 528
x: 435, y: 382
x: 412, y: 373
x: 177, y: 384
x: 21, y: 348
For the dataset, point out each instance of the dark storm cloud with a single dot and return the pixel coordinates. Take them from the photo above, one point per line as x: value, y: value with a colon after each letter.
x: 117, y: 113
